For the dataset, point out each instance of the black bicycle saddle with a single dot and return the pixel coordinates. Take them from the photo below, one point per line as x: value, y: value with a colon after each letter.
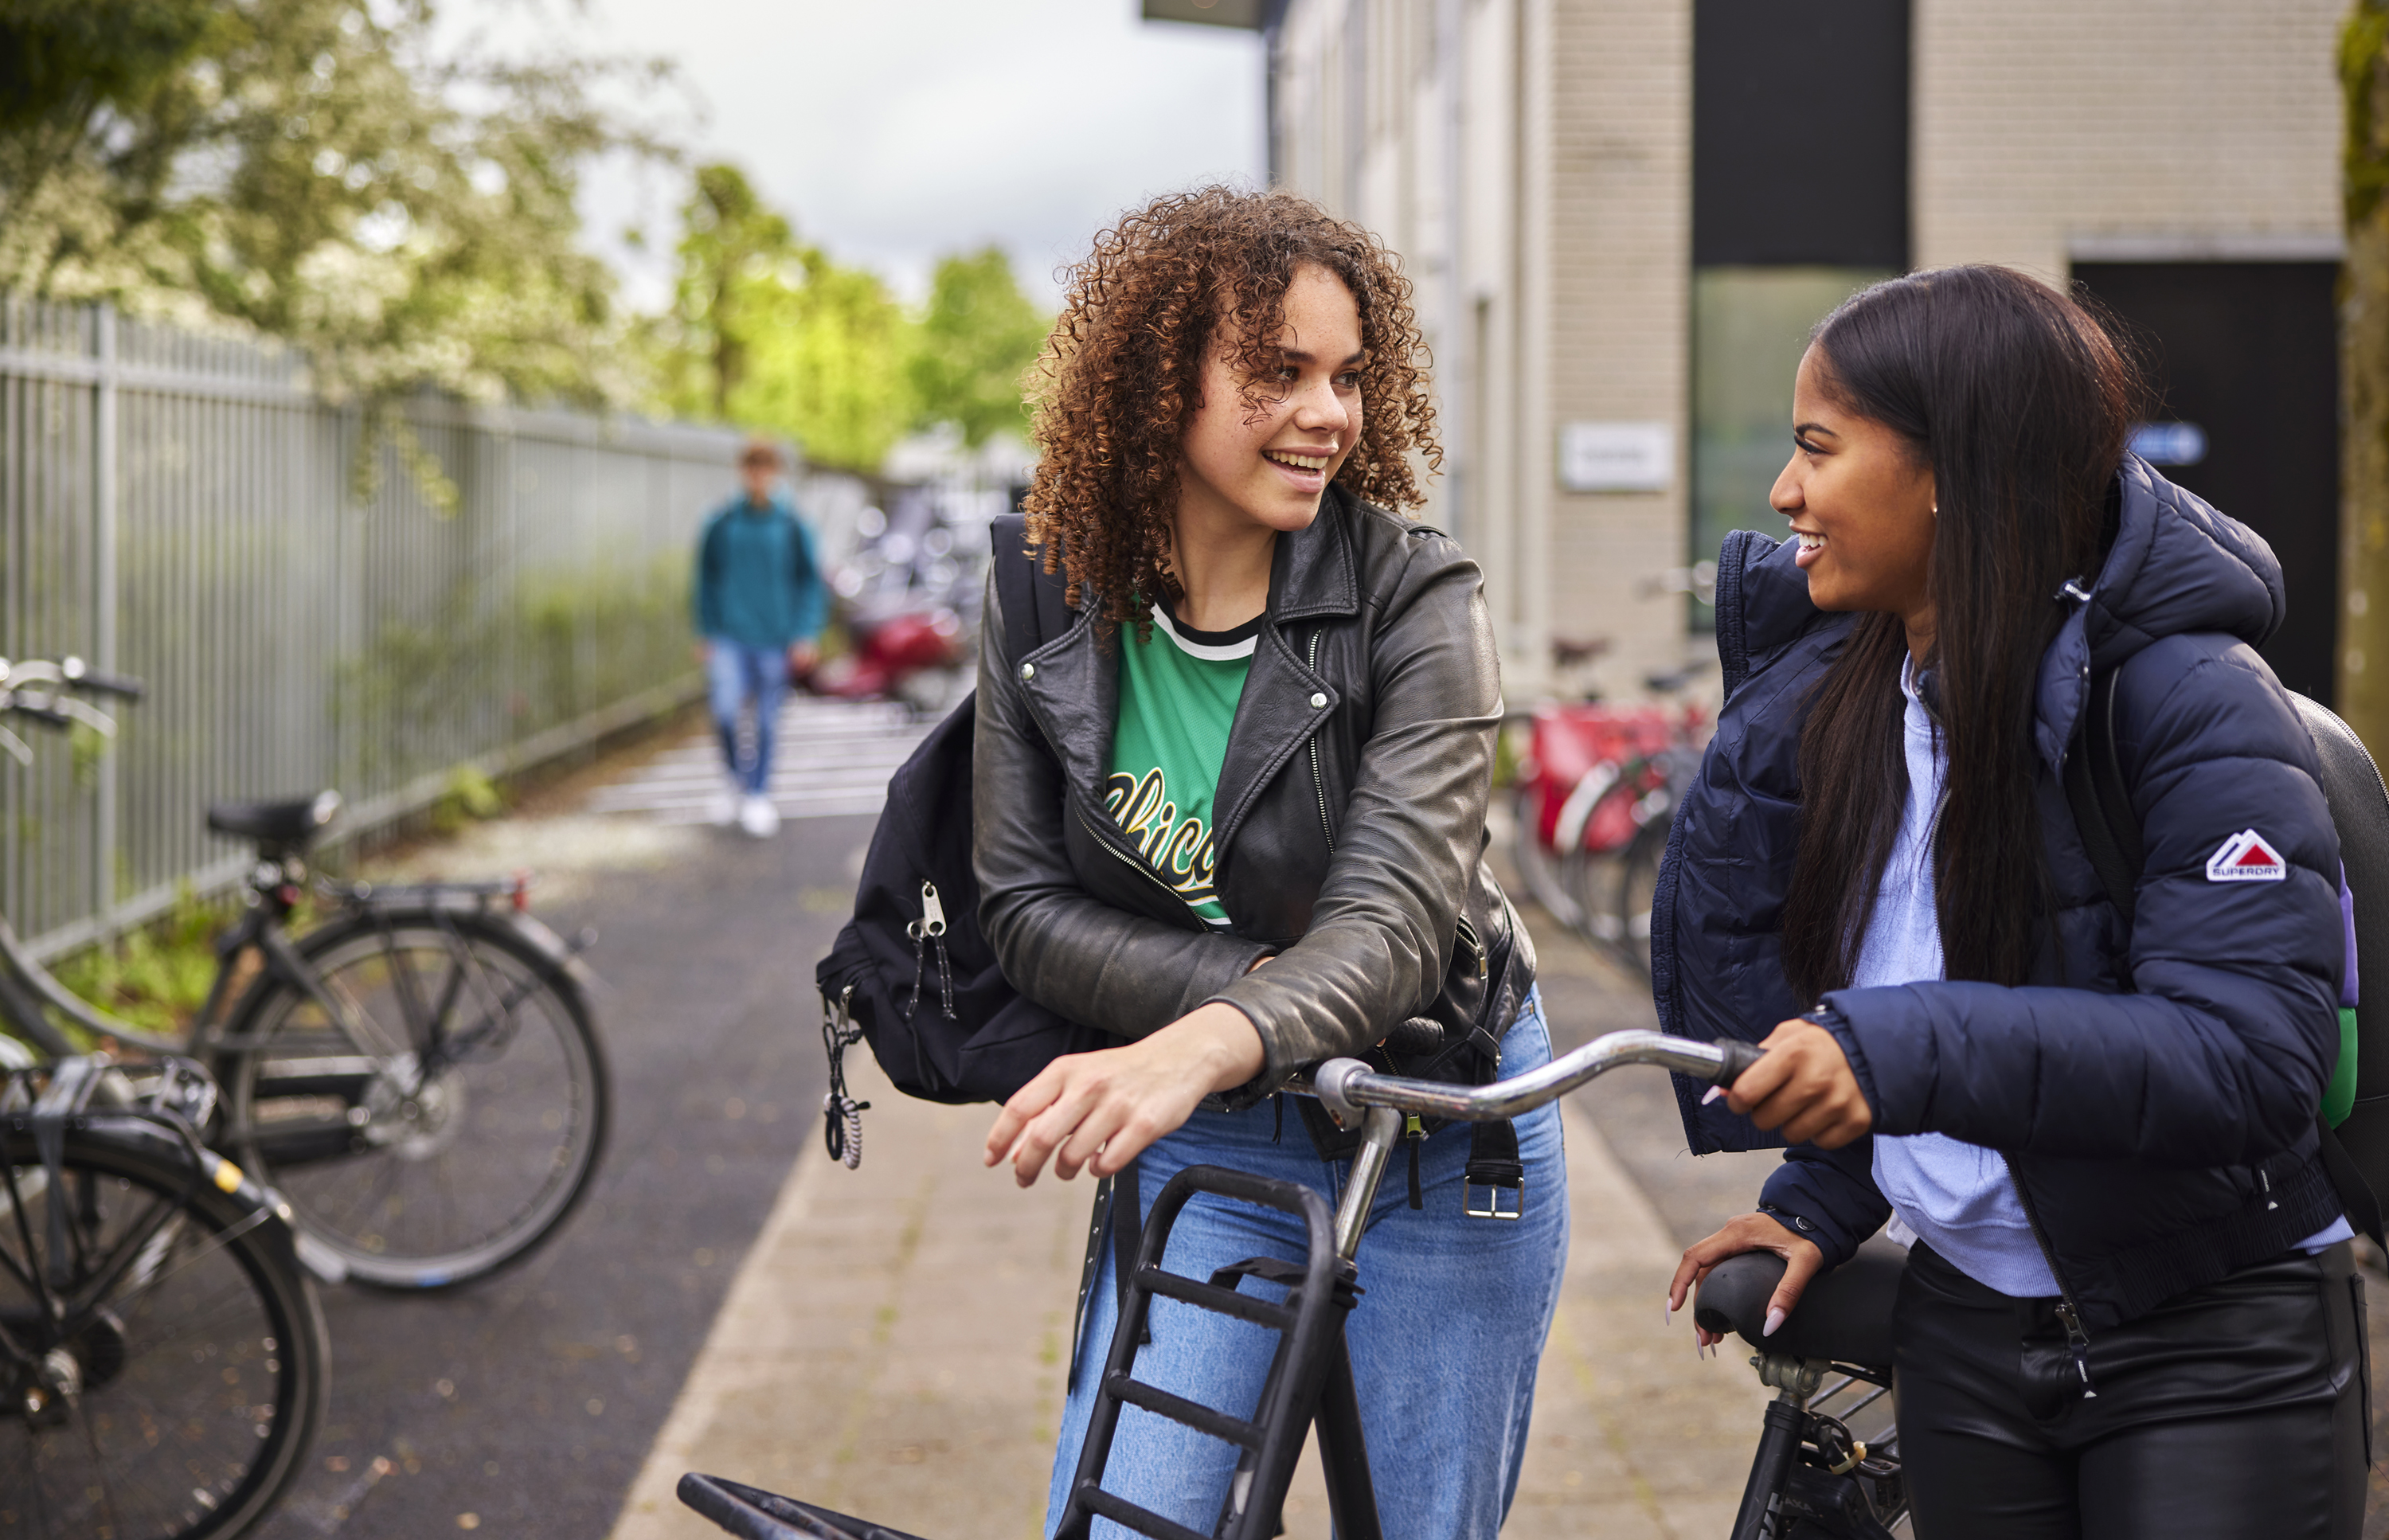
x: 283, y: 823
x: 1844, y: 1315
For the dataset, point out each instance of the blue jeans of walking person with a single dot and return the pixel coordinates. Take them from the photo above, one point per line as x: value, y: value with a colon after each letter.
x: 1445, y: 1340
x: 735, y: 674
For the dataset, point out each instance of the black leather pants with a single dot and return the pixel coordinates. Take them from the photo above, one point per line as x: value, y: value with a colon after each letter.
x: 2237, y: 1410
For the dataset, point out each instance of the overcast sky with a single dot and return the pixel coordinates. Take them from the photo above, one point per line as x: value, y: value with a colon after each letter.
x: 892, y: 131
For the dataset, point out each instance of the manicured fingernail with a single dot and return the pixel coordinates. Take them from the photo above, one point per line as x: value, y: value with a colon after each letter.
x: 1714, y: 1092
x: 1670, y: 1317
x: 1774, y: 1320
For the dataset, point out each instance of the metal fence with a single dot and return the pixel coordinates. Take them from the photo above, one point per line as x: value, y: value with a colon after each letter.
x: 180, y: 508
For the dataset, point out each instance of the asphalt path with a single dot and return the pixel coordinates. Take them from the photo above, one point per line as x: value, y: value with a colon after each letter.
x: 524, y: 1405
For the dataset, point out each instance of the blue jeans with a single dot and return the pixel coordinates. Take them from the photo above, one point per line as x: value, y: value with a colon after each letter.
x: 1444, y: 1341
x: 734, y: 674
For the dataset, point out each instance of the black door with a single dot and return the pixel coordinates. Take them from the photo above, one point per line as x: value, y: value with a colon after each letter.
x: 2245, y: 355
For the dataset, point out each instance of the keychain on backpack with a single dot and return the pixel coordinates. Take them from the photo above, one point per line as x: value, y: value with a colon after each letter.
x: 841, y: 1113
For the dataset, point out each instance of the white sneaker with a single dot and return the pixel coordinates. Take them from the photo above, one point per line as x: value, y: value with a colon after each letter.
x: 758, y: 818
x: 721, y: 810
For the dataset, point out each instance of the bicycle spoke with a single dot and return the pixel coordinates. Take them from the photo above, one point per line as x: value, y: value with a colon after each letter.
x: 406, y: 982
x: 99, y: 1463
x: 385, y: 1176
x: 34, y: 1282
x: 459, y: 958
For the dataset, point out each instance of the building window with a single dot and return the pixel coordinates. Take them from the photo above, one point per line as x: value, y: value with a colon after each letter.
x: 1800, y: 132
x: 1750, y: 324
x: 1800, y: 138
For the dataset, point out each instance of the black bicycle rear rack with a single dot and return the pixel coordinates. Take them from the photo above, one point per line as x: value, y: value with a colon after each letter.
x: 1310, y: 1375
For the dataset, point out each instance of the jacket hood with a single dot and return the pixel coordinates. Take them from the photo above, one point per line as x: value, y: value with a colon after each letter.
x: 2175, y: 565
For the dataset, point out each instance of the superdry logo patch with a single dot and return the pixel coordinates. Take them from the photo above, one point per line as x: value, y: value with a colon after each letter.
x: 2245, y: 858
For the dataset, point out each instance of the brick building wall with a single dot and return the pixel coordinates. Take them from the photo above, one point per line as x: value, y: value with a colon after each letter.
x: 2050, y: 130
x: 1621, y: 186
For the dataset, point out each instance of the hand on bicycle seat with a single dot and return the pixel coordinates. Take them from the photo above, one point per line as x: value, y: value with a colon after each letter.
x: 1747, y: 1232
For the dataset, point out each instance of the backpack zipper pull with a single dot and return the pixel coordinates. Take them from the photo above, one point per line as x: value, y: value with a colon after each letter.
x: 2266, y: 1181
x: 2080, y: 1341
x: 933, y: 927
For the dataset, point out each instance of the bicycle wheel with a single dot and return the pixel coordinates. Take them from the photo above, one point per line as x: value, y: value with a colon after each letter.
x: 433, y: 1107
x: 178, y: 1389
x: 1638, y: 880
x: 1542, y: 872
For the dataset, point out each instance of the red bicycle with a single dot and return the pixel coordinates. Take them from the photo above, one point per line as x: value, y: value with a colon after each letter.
x: 1596, y: 787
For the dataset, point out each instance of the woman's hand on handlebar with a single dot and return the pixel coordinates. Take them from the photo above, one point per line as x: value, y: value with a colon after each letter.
x: 1804, y: 1085
x: 1096, y: 1111
x: 1748, y: 1232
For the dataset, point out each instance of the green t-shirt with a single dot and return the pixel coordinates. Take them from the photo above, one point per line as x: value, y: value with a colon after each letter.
x: 1178, y: 694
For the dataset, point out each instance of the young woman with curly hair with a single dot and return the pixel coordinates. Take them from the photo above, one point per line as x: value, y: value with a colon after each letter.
x: 1234, y: 817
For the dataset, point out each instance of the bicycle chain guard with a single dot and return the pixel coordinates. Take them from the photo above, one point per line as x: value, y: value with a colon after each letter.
x: 841, y: 1113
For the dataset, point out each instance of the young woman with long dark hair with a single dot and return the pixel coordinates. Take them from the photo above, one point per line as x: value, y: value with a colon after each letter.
x: 2130, y: 1307
x: 1234, y: 817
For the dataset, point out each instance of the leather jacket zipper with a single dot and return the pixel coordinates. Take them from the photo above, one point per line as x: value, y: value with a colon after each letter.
x: 1137, y: 865
x: 2069, y: 1313
x: 1318, y: 780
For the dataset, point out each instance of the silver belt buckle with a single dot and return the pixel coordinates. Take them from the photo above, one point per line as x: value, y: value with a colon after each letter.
x: 1493, y: 1209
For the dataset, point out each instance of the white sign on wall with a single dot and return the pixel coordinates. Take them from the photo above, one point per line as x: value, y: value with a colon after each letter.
x: 1617, y: 457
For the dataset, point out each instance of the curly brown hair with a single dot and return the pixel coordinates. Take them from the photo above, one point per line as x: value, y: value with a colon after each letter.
x: 1120, y: 377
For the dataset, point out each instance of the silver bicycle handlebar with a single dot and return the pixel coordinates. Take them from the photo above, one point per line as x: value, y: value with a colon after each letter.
x: 1347, y: 1086
x: 1360, y: 1097
x: 38, y: 689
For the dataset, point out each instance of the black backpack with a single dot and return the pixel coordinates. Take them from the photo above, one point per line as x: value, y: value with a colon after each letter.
x: 912, y: 973
x: 2355, y: 1143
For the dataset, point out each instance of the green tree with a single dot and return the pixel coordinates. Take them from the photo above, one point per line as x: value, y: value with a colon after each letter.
x: 830, y: 352
x: 978, y: 335
x: 318, y: 171
x: 2364, y: 369
x: 733, y: 247
x: 768, y: 332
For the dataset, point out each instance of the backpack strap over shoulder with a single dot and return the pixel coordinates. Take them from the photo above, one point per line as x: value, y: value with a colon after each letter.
x: 2102, y: 802
x: 1035, y: 602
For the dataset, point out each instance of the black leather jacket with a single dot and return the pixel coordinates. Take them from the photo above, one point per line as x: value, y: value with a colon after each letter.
x: 1349, y: 817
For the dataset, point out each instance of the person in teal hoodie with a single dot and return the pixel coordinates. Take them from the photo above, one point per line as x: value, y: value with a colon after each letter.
x: 759, y: 602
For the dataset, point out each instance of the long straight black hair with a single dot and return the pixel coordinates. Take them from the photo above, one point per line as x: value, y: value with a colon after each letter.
x: 2021, y: 403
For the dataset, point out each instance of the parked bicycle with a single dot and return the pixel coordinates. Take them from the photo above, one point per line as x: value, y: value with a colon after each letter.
x: 1596, y: 789
x: 163, y: 1353
x: 1812, y: 1479
x: 420, y: 1074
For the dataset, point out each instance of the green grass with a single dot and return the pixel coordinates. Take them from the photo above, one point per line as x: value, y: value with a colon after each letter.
x: 155, y: 977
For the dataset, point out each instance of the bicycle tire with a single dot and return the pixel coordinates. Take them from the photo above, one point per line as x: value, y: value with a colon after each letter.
x: 1638, y: 881
x: 202, y: 1382
x: 503, y: 1141
x: 1543, y: 872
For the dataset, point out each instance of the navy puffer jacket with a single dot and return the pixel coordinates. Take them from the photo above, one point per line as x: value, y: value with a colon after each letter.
x: 2154, y: 1091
